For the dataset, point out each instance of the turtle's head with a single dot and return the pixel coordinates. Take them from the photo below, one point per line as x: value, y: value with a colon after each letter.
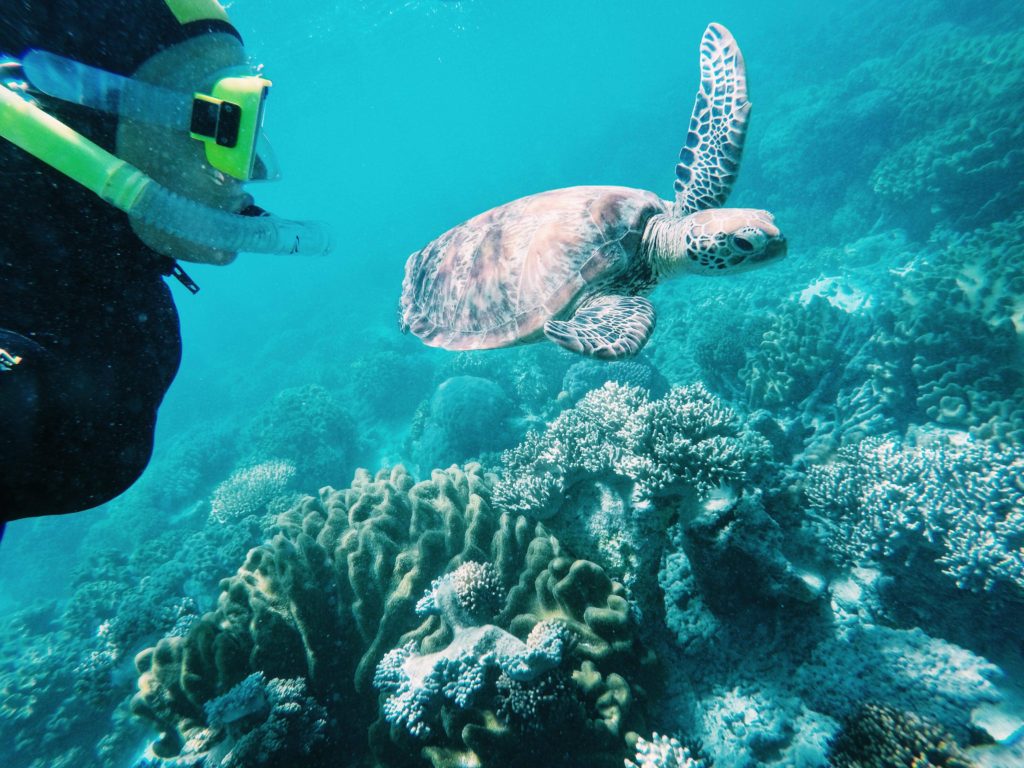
x: 717, y: 241
x: 732, y: 240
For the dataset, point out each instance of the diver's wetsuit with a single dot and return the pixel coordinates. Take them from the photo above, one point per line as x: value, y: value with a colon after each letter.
x: 82, y: 300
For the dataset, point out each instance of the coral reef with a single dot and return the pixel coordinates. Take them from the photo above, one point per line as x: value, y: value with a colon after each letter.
x: 66, y: 674
x: 937, y: 168
x: 335, y: 600
x: 880, y: 736
x: 588, y: 374
x: 465, y: 417
x: 903, y: 667
x: 687, y: 440
x: 595, y: 474
x: 307, y: 427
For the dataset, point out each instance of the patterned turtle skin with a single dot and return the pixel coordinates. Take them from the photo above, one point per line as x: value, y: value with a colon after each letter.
x: 572, y: 264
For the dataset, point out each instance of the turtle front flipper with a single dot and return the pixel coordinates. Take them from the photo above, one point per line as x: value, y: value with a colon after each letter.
x: 710, y: 158
x: 607, y: 327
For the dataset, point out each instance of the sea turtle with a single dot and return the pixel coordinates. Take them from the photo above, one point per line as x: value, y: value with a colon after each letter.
x: 570, y: 264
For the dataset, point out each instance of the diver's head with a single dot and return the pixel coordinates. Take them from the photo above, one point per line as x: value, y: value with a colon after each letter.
x: 189, y: 136
x: 170, y: 155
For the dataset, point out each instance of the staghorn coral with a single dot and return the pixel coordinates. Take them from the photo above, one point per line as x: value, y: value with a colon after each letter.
x: 336, y: 590
x: 881, y: 736
x: 961, y: 507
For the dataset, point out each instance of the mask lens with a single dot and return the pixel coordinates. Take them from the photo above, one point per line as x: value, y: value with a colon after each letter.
x: 265, y: 167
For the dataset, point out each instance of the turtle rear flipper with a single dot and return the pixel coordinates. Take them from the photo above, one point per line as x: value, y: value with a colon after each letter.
x: 710, y: 158
x: 607, y: 327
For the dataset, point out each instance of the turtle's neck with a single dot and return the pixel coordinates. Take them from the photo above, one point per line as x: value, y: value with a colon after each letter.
x: 664, y: 244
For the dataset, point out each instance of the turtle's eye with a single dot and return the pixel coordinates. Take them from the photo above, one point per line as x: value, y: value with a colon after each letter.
x: 743, y: 244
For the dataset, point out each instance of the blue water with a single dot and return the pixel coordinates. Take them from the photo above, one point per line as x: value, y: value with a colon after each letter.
x: 867, y: 546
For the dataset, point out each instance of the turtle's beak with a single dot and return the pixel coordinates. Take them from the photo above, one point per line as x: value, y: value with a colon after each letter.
x: 774, y: 249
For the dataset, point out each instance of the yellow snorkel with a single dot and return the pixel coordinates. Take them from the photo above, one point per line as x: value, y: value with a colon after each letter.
x: 127, y: 188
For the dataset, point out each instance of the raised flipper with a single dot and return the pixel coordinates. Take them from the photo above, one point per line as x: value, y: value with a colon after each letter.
x: 608, y: 327
x: 710, y: 158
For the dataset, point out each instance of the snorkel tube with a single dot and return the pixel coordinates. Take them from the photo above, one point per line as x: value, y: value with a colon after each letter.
x: 130, y: 190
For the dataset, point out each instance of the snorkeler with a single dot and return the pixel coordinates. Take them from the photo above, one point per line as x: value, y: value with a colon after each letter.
x: 127, y: 133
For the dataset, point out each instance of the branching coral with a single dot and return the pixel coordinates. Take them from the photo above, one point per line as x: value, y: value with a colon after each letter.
x: 880, y: 736
x: 687, y: 439
x: 249, y: 489
x: 663, y: 752
x: 962, y: 507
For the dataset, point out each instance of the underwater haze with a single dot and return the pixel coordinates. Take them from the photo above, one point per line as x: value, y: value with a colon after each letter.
x: 790, y: 532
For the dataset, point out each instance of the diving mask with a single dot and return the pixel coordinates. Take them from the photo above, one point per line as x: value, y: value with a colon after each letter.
x: 228, y: 119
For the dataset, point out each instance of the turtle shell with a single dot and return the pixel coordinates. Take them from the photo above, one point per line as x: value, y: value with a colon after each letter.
x: 496, y: 279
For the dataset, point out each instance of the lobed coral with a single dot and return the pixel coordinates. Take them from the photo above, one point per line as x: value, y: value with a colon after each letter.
x: 332, y: 600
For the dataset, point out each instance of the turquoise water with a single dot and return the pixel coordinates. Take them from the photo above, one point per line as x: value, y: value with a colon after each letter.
x: 804, y: 497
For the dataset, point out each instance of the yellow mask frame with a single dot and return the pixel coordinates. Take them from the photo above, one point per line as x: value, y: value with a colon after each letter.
x: 229, y: 122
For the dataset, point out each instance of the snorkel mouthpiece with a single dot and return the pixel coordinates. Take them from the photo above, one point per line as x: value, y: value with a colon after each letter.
x: 225, y: 231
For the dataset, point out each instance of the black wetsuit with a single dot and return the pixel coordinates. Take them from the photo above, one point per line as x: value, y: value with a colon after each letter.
x: 82, y: 300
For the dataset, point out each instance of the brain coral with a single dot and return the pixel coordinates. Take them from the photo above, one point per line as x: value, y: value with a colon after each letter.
x: 338, y: 588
